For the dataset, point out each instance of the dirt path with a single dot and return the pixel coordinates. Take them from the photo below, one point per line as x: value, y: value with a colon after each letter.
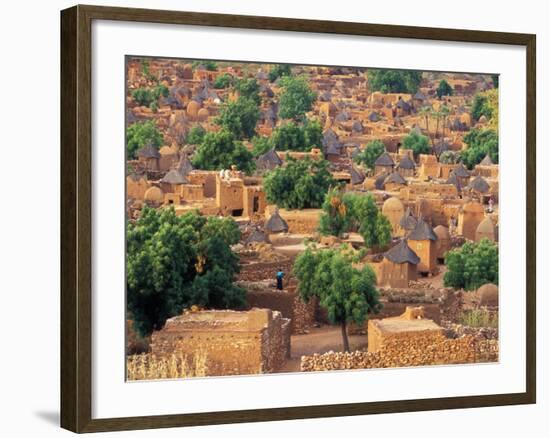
x: 319, y: 340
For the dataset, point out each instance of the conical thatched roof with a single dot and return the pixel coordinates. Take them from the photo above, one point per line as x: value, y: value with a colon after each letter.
x: 374, y: 117
x: 257, y: 236
x: 380, y: 179
x: 479, y: 185
x: 461, y: 172
x: 408, y: 221
x: 395, y: 178
x: 174, y: 176
x: 486, y: 161
x: 148, y: 152
x: 453, y: 179
x: 184, y: 166
x: 402, y: 253
x: 422, y: 231
x: 276, y: 224
x: 268, y: 161
x: 357, y: 176
x: 406, y: 163
x: 384, y: 160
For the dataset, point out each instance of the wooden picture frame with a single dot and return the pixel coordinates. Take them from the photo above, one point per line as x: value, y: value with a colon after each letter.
x: 76, y: 218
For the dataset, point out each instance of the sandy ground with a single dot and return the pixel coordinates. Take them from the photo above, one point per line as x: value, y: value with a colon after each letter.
x: 319, y: 340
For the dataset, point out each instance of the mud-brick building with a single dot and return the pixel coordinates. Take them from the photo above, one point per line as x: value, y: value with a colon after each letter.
x: 471, y: 215
x: 422, y: 241
x: 233, y: 342
x: 399, y: 266
x: 240, y: 196
x: 384, y: 164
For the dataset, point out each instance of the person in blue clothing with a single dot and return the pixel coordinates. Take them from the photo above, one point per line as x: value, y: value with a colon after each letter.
x: 280, y: 275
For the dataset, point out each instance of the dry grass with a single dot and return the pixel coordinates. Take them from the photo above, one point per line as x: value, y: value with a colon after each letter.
x: 176, y: 366
x: 479, y: 318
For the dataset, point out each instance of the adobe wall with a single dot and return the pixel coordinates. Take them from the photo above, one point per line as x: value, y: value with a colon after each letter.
x: 234, y: 343
x: 264, y: 270
x: 415, y: 352
x: 289, y: 304
x: 301, y: 221
x: 205, y: 179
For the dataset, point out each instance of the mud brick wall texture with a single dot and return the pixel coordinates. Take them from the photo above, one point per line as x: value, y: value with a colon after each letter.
x: 261, y: 271
x: 234, y: 343
x: 291, y: 306
x: 413, y: 353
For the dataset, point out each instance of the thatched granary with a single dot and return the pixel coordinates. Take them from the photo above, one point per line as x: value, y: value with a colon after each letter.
x: 276, y: 224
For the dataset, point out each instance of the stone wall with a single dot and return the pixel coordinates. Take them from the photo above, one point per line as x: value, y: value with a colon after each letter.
x: 262, y: 270
x: 417, y: 353
x: 288, y: 303
x: 234, y: 343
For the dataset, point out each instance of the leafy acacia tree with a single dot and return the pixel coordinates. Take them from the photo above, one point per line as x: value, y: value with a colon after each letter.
x: 394, y: 81
x: 224, y: 81
x: 450, y: 157
x: 480, y: 143
x: 299, y: 184
x: 444, y: 89
x: 347, y: 293
x: 249, y: 88
x: 174, y: 262
x: 141, y: 134
x: 278, y: 71
x: 240, y: 117
x: 219, y: 150
x: 336, y: 218
x: 370, y: 222
x: 148, y: 96
x: 296, y: 98
x: 472, y: 265
x: 370, y: 154
x: 343, y: 212
x: 295, y: 137
x: 417, y: 142
x: 481, y: 107
x: 196, y: 134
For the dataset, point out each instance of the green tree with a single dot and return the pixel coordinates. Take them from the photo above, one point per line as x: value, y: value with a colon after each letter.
x: 336, y: 218
x: 480, y: 143
x: 481, y: 107
x: 296, y: 98
x: 370, y: 222
x: 417, y: 142
x: 444, y: 89
x: 249, y: 88
x: 208, y: 65
x: 394, y: 81
x: 224, y: 81
x: 279, y: 70
x: 370, y: 154
x: 295, y: 137
x: 219, y: 150
x: 348, y: 294
x: 240, y: 117
x: 494, y: 78
x: 174, y: 262
x: 196, y: 134
x: 299, y: 184
x: 472, y: 265
x: 141, y: 134
x: 148, y: 96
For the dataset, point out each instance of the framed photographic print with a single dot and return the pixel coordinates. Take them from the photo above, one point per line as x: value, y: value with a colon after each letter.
x: 268, y: 218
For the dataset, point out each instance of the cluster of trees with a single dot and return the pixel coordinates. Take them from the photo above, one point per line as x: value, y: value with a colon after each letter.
x: 149, y: 96
x: 291, y: 136
x: 141, y: 134
x: 370, y: 154
x: 347, y: 211
x: 224, y: 81
x: 279, y: 70
x: 486, y: 104
x: 299, y: 184
x: 444, y: 89
x: 208, y: 65
x: 472, y: 265
x: 347, y: 293
x: 394, y: 81
x: 175, y: 262
x: 296, y: 98
x: 480, y: 143
x: 196, y: 134
x: 220, y: 150
x: 450, y: 157
x: 418, y: 143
